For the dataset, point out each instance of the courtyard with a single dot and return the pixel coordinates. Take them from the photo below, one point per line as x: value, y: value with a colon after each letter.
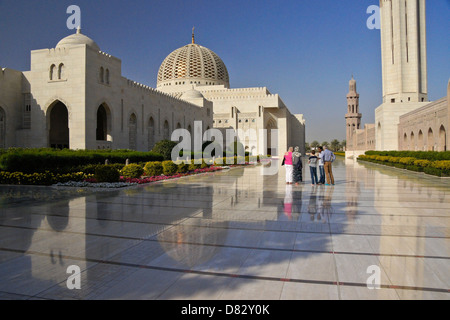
x: 232, y: 235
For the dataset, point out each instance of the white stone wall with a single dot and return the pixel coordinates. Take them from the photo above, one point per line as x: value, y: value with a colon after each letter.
x: 426, y: 128
x: 11, y: 104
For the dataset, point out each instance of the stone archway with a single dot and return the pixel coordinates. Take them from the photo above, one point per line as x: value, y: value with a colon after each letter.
x: 271, y: 125
x: 103, y: 130
x: 59, y: 126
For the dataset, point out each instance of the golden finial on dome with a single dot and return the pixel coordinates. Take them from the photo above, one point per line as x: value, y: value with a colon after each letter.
x: 193, y: 36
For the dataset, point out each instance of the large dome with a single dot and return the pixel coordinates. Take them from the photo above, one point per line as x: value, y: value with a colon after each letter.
x: 193, y: 64
x: 77, y: 39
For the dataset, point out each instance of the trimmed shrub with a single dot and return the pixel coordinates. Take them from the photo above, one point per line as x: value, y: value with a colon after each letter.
x: 422, y: 163
x: 183, y: 168
x: 153, y: 169
x: 169, y: 168
x: 407, y: 161
x: 106, y: 173
x: 133, y: 171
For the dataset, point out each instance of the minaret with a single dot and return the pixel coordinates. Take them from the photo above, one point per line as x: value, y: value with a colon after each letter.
x: 404, y: 67
x: 353, y: 117
x: 403, y: 51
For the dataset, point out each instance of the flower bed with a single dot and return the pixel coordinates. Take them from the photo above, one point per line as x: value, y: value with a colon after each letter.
x: 102, y: 178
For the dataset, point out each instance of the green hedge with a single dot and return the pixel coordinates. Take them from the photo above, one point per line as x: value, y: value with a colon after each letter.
x: 41, y: 160
x: 44, y: 179
x: 424, y: 155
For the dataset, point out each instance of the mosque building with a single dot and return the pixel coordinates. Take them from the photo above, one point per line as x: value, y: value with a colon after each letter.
x: 75, y: 96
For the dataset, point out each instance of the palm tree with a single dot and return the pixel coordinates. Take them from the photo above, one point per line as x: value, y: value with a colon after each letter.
x: 314, y: 144
x: 325, y: 143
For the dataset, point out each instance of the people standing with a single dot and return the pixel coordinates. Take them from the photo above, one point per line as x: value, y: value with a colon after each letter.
x: 321, y: 166
x: 328, y: 159
x: 288, y: 163
x: 312, y: 161
x: 297, y: 166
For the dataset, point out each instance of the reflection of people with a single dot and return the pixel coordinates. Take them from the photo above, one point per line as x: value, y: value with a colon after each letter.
x: 328, y: 159
x: 298, y: 166
x: 287, y: 162
x: 288, y: 202
x: 312, y: 206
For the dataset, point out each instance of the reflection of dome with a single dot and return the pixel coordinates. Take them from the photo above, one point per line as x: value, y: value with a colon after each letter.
x: 195, y: 65
x: 192, y: 94
x: 77, y: 39
x: 186, y: 244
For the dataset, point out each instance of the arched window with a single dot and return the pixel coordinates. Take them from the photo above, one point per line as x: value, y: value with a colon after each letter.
x: 420, y: 141
x: 166, y: 131
x: 52, y: 72
x: 413, y: 142
x: 151, y: 133
x: 442, y: 139
x: 107, y: 76
x: 132, y: 128
x: 61, y: 71
x: 430, y: 140
x: 102, y: 75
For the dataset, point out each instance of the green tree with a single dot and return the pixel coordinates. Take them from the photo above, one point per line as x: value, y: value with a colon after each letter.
x: 335, y: 144
x: 325, y: 143
x: 165, y: 148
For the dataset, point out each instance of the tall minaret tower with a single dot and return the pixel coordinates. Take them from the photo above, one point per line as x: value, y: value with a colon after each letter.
x: 404, y: 66
x: 404, y: 51
x: 353, y: 117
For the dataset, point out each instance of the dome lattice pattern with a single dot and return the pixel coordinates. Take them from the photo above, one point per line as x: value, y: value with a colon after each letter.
x: 194, y: 62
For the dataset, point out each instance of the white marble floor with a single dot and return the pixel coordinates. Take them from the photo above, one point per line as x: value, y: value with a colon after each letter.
x: 233, y: 235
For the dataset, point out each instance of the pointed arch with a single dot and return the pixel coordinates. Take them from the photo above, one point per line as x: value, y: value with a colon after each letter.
x: 166, y: 130
x: 132, y: 130
x: 58, y: 125
x: 442, y: 139
x: 52, y: 72
x: 420, y: 141
x: 430, y: 140
x: 61, y: 70
x: 151, y: 133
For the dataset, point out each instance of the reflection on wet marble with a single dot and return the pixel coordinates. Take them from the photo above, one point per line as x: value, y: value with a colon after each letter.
x: 231, y: 235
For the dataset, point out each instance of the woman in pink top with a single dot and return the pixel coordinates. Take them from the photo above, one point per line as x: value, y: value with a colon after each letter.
x: 289, y: 166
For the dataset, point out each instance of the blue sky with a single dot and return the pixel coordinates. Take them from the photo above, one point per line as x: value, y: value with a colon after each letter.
x: 304, y: 50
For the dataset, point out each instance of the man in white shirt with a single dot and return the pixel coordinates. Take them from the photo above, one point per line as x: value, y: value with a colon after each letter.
x: 321, y: 168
